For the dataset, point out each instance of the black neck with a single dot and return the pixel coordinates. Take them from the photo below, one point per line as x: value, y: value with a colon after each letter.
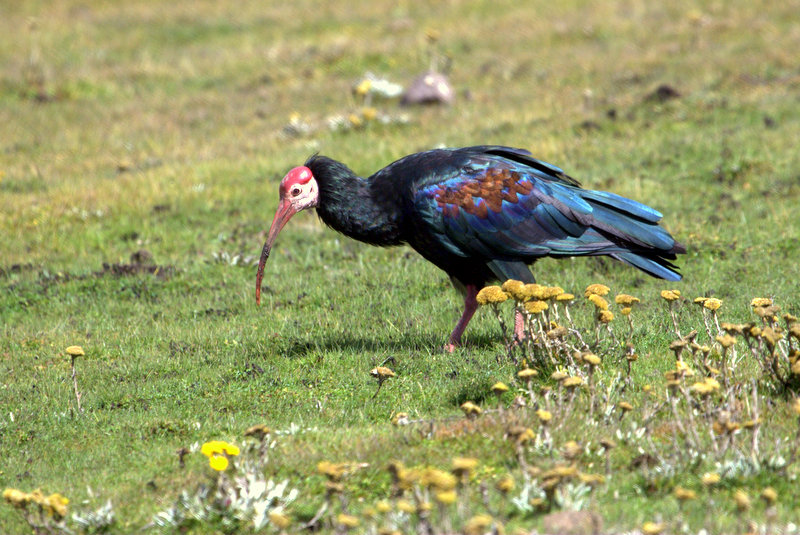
x: 357, y: 207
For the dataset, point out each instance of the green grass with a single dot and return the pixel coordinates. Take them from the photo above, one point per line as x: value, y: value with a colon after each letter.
x: 159, y: 126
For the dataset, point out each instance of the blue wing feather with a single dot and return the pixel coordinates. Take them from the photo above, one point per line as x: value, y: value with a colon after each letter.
x: 501, y: 204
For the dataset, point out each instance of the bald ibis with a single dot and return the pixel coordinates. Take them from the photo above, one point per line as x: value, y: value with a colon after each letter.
x: 479, y: 213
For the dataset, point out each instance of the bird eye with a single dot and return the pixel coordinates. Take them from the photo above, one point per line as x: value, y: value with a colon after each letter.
x: 295, y: 191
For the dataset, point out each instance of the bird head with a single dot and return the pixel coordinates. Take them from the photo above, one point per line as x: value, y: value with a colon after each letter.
x: 298, y: 191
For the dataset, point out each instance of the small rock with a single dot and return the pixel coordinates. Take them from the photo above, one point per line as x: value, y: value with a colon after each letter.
x: 429, y: 88
x: 572, y: 523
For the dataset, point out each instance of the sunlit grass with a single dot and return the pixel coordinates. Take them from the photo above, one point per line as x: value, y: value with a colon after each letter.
x: 162, y: 127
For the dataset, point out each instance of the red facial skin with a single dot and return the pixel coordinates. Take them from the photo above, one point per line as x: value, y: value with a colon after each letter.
x: 294, y: 184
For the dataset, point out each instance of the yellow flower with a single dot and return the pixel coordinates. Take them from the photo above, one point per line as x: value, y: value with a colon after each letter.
x: 218, y: 462
x: 527, y: 374
x: 734, y: 328
x: 700, y: 300
x: 258, y: 431
x: 544, y: 415
x: 406, y: 506
x: 605, y: 316
x: 572, y: 382
x: 712, y: 383
x: 491, y: 295
x: 701, y: 388
x: 333, y: 471
x: 726, y: 340
x: 710, y: 479
x: 626, y: 311
x: 383, y: 506
x: 625, y: 406
x: 769, y: 495
x: 592, y: 359
x: 598, y: 302
x: 36, y: 496
x: 515, y: 288
x: 608, y: 444
x: 16, y: 497
x: 464, y: 465
x: 369, y: 113
x: 347, y: 521
x: 534, y: 291
x: 505, y: 484
x: 217, y: 452
x: 560, y: 472
x: 56, y: 505
x: 446, y: 497
x: 478, y: 525
x: 75, y: 351
x: 794, y: 331
x: 363, y: 87
x: 565, y: 297
x: 279, y: 520
x: 535, y: 307
x: 652, y: 528
x: 596, y: 289
x: 382, y: 373
x: 521, y: 435
x: 712, y: 304
x: 571, y: 449
x: 684, y: 495
x: 438, y: 479
x: 499, y: 388
x: 401, y: 418
x: 759, y: 302
x: 671, y: 295
x: 355, y: 120
x: 742, y: 500
x: 218, y: 447
x: 557, y: 333
x: 558, y: 376
x: 796, y: 406
x: 470, y: 409
x: 552, y: 292
x: 626, y: 300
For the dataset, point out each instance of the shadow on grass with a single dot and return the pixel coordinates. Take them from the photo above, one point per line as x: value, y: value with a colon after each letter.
x: 345, y: 342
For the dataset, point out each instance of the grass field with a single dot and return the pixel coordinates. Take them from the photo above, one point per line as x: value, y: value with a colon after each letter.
x: 162, y: 129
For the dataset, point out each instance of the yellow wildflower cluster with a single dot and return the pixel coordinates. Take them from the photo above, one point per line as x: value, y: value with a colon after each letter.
x: 437, y: 480
x: 536, y: 306
x: 54, y: 505
x: 705, y: 387
x: 598, y: 302
x: 470, y: 409
x: 491, y: 295
x: 596, y: 289
x: 218, y: 452
x: 671, y: 295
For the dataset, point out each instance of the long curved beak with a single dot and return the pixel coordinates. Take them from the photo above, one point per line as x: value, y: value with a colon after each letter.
x: 284, y: 214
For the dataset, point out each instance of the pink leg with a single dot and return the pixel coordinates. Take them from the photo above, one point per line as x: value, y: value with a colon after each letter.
x: 519, y: 326
x: 470, y: 306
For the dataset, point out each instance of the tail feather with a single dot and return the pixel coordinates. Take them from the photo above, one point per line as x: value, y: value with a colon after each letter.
x: 622, y: 204
x: 633, y: 228
x: 656, y: 266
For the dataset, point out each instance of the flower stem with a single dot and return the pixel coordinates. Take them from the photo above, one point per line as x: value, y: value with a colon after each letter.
x: 75, y: 383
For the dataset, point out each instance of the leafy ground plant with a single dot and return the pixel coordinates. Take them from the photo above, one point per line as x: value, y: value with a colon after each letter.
x: 141, y: 144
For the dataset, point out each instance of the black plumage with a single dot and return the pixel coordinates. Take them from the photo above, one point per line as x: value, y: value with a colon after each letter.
x: 479, y: 213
